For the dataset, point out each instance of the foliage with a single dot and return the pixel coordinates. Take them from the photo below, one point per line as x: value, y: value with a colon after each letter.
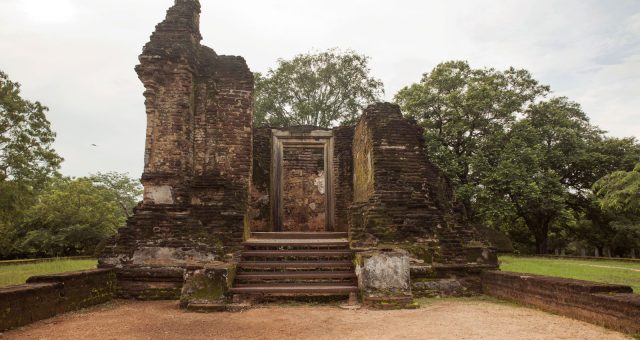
x: 27, y: 158
x: 460, y: 109
x: 71, y: 217
x: 320, y: 89
x: 26, y: 153
x: 528, y: 165
x: 519, y: 161
x: 617, y: 196
x: 619, y: 192
x: 126, y: 191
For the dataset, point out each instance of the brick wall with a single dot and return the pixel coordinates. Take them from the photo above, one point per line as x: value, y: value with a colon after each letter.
x: 45, y: 296
x: 402, y: 201
x: 343, y: 175
x: 198, y: 159
x: 613, y: 306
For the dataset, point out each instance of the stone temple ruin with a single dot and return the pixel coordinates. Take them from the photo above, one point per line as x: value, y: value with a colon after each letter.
x: 235, y: 213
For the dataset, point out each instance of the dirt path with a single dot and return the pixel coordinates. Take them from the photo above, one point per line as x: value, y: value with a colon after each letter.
x: 445, y: 319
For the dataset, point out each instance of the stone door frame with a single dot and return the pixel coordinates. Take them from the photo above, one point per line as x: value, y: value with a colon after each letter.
x: 317, y: 138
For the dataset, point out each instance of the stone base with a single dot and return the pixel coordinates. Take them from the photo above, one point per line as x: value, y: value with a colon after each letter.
x: 217, y: 307
x: 447, y: 280
x: 149, y: 283
x: 384, y: 279
x: 389, y: 302
x: 205, y: 288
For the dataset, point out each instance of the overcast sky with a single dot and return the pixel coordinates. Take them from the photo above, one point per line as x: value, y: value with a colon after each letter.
x: 77, y: 56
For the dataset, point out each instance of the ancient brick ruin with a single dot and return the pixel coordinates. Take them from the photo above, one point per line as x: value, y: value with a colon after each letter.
x: 293, y: 211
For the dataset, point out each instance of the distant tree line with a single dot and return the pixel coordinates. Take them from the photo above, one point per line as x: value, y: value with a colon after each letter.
x: 42, y: 213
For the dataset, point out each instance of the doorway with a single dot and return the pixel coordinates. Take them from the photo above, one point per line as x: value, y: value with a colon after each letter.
x: 302, y: 181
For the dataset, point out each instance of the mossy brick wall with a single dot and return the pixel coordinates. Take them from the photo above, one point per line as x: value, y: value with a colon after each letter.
x: 198, y: 156
x: 391, y: 184
x: 343, y: 175
x: 46, y: 296
x: 400, y: 197
x: 613, y: 306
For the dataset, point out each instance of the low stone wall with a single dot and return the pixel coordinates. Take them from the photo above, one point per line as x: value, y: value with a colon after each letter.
x: 608, y: 305
x: 447, y: 280
x: 45, y: 296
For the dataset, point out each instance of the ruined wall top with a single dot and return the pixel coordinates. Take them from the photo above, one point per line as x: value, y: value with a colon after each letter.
x: 382, y: 111
x: 178, y: 35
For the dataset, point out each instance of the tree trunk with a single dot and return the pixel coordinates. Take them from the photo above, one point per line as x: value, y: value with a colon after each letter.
x: 540, y: 229
x: 541, y: 245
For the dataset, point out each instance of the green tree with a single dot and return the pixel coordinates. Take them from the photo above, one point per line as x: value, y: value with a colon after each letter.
x: 319, y: 89
x: 619, y: 192
x: 27, y: 158
x: 528, y: 164
x: 126, y: 191
x: 460, y: 109
x: 618, y: 195
x: 26, y: 154
x: 71, y: 217
x: 544, y: 167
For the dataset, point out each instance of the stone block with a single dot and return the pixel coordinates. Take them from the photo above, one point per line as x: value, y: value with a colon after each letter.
x: 207, y: 286
x: 384, y: 279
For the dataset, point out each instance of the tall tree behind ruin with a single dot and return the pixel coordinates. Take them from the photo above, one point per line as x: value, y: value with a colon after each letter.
x: 27, y: 158
x: 460, y: 108
x: 520, y: 162
x: 320, y: 89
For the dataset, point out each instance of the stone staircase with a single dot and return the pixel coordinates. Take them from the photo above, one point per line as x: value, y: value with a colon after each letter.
x: 296, y: 264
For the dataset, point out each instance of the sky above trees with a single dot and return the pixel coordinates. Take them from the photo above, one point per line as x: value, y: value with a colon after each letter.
x: 77, y: 56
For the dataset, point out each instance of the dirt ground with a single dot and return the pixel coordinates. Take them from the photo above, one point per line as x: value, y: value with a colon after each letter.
x: 440, y: 319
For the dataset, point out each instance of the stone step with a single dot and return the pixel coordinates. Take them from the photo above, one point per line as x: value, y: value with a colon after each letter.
x: 283, y: 284
x: 295, y: 264
x: 299, y: 275
x: 295, y: 289
x: 298, y: 235
x: 333, y: 242
x: 297, y: 253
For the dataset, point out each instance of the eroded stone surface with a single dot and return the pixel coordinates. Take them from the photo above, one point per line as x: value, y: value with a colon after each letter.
x: 206, y: 286
x: 198, y: 150
x: 384, y: 271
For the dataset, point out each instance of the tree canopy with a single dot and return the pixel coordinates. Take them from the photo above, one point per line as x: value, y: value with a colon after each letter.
x: 26, y: 138
x: 70, y: 216
x: 320, y: 89
x: 619, y: 192
x: 520, y: 160
x: 27, y: 158
x: 460, y: 109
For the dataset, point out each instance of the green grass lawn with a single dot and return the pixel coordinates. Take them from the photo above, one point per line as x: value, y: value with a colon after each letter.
x: 618, y: 272
x: 19, y: 273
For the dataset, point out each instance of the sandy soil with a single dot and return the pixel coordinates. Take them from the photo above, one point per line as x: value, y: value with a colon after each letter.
x: 442, y: 319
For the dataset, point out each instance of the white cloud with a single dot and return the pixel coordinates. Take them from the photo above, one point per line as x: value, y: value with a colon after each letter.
x: 77, y: 56
x: 46, y: 11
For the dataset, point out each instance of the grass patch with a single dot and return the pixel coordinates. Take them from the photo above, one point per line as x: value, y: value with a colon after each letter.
x: 616, y: 272
x: 19, y: 273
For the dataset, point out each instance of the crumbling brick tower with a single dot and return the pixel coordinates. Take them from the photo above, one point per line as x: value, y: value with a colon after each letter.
x: 197, y: 165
